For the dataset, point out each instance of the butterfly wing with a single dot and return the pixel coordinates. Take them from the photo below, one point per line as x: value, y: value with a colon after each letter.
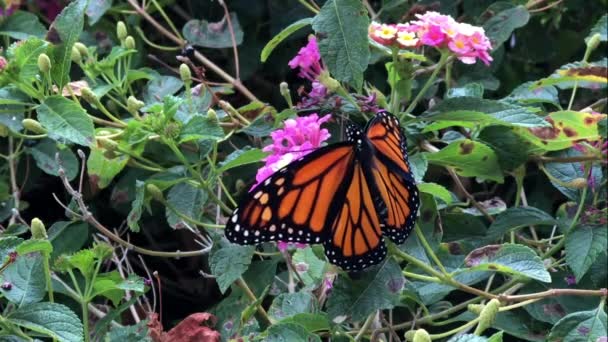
x: 294, y: 203
x: 393, y: 178
x: 355, y: 240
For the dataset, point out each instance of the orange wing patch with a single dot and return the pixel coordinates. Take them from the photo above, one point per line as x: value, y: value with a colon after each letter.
x: 356, y: 237
x: 385, y: 134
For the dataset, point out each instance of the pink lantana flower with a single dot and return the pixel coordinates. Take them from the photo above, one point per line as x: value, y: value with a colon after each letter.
x: 308, y: 60
x: 297, y: 138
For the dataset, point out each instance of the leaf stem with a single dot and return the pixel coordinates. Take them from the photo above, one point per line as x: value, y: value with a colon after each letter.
x: 429, y: 82
x: 428, y: 249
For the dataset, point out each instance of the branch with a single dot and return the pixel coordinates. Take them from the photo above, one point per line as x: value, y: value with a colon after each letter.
x: 209, y: 64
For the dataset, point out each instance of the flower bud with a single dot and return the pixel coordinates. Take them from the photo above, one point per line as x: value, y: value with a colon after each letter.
x: 593, y: 42
x: 184, y: 73
x: 108, y: 144
x: 155, y: 192
x: 121, y: 31
x: 421, y: 335
x: 84, y: 52
x: 38, y: 229
x: 487, y: 316
x: 33, y: 125
x: 284, y: 88
x: 44, y: 63
x: 475, y: 308
x: 330, y: 83
x: 75, y: 56
x: 130, y: 42
x: 577, y: 183
x: 133, y: 104
x: 211, y: 114
x: 89, y: 96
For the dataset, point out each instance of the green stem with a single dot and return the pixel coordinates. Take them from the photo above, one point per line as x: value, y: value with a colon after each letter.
x: 448, y: 75
x: 421, y: 277
x: 429, y: 83
x: 85, y: 319
x: 429, y: 250
x: 308, y: 6
x: 368, y: 322
x: 47, y: 275
x: 455, y: 330
x: 394, y: 105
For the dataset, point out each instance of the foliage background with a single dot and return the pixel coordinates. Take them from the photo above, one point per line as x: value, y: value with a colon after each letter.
x: 537, y: 38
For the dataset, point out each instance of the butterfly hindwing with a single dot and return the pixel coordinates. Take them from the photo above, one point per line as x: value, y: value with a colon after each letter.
x: 355, y: 240
x: 293, y: 205
x: 392, y: 176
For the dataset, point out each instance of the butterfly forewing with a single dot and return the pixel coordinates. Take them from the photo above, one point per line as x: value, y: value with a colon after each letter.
x: 392, y: 176
x: 293, y: 205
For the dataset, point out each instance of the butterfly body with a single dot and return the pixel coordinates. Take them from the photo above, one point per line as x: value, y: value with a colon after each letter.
x: 346, y: 196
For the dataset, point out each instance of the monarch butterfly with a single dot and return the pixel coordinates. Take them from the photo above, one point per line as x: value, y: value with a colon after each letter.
x: 346, y: 195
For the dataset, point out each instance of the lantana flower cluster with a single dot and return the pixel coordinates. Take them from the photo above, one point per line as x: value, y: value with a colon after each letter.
x: 467, y: 42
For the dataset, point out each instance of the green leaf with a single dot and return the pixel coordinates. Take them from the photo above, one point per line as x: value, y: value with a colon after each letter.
x: 96, y: 9
x: 8, y: 244
x: 24, y: 63
x: 310, y: 268
x: 497, y: 337
x: 21, y: 25
x: 34, y: 245
x: 281, y: 36
x: 472, y: 111
x: 377, y: 289
x: 500, y: 27
x: 601, y: 126
x: 241, y: 157
x: 101, y: 169
x: 282, y: 332
x: 584, y: 244
x: 587, y: 326
x: 512, y: 150
x: 582, y: 74
x: 229, y: 262
x: 112, y: 286
x: 199, y: 127
x: 525, y: 95
x: 310, y: 322
x: 516, y: 323
x: 468, y: 338
x: 67, y: 237
x: 508, y: 258
x: 469, y: 159
x: 44, y: 155
x: 186, y: 200
x: 566, y: 172
x: 567, y: 128
x: 463, y: 227
x: 26, y: 275
x: 160, y: 87
x: 419, y: 165
x: 130, y: 333
x: 55, y: 320
x: 137, y: 206
x: 470, y: 90
x: 341, y: 28
x: 600, y: 27
x: 65, y: 120
x: 213, y: 35
x: 63, y: 33
x: 436, y: 190
x: 84, y: 261
x: 260, y: 274
x: 289, y: 304
x: 518, y: 217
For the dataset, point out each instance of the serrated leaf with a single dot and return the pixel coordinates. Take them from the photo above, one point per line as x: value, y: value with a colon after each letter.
x: 22, y: 25
x: 582, y: 74
x: 309, y: 266
x: 500, y: 27
x: 472, y: 111
x: 67, y: 237
x: 199, y: 127
x: 102, y: 170
x: 281, y: 36
x: 470, y: 90
x: 518, y: 217
x: 512, y: 150
x: 508, y: 258
x: 53, y: 319
x: 213, y: 35
x: 419, y: 165
x: 584, y: 244
x: 63, y: 33
x: 567, y: 172
x: 26, y: 275
x: 186, y: 200
x: 65, y: 120
x: 44, y: 155
x: 130, y: 333
x: 378, y: 288
x: 229, y: 262
x: 469, y: 159
x: 161, y: 86
x: 583, y: 326
x: 24, y: 64
x: 310, y: 322
x: 341, y: 28
x: 525, y: 95
x: 241, y: 157
x: 289, y: 304
x: 84, y: 261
